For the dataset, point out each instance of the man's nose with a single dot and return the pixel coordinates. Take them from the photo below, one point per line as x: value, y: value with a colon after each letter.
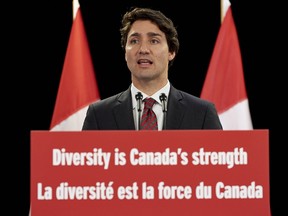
x: 144, y: 49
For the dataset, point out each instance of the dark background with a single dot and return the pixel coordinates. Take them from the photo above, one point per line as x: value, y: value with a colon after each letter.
x: 35, y: 41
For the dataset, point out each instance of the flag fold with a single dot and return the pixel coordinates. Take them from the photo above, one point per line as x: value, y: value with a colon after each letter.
x: 224, y: 84
x: 78, y: 87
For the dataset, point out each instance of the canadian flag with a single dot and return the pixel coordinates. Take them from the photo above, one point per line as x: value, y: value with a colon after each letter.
x: 224, y: 83
x: 78, y: 87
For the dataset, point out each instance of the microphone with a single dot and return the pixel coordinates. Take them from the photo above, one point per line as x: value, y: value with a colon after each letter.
x: 163, y: 99
x: 139, y: 97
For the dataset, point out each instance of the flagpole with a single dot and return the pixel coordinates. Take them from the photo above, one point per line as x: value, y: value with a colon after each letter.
x: 75, y: 7
x: 224, y: 4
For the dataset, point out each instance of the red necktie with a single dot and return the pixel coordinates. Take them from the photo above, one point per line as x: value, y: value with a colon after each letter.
x: 149, y: 119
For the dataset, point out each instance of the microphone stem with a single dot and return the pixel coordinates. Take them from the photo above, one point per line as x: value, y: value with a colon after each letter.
x: 163, y: 99
x: 139, y: 97
x: 164, y: 120
x: 139, y: 115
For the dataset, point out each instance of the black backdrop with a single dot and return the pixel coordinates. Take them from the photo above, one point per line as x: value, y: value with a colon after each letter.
x: 40, y: 31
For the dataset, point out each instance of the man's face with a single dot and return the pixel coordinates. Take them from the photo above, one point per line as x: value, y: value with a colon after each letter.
x: 147, y: 52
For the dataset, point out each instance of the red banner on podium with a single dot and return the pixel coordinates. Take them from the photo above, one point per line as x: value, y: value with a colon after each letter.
x: 167, y: 173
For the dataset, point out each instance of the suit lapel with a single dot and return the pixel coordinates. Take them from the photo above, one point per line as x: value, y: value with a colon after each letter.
x: 123, y: 111
x: 175, y: 109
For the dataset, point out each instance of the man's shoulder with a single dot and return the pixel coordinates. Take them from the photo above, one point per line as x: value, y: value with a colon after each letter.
x: 188, y: 97
x: 111, y: 100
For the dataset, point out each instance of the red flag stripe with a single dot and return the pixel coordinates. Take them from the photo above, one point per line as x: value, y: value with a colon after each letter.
x: 78, y: 86
x: 224, y: 84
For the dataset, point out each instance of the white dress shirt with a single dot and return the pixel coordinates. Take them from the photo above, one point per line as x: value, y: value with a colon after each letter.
x: 157, y: 108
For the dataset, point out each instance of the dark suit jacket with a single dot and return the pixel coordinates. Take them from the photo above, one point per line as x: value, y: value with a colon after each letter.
x: 184, y: 111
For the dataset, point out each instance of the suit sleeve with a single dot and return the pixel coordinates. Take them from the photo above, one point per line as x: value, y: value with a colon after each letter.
x: 212, y: 120
x: 90, y: 122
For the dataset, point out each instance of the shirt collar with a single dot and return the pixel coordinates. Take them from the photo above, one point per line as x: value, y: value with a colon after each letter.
x: 155, y: 96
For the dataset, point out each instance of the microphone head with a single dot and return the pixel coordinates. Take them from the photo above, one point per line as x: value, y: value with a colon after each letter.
x: 139, y: 96
x: 163, y: 97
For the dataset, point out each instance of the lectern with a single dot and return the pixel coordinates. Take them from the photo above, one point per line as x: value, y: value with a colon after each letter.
x: 143, y: 173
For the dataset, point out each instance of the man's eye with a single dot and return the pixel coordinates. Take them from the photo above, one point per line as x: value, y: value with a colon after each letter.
x: 134, y: 41
x: 154, y: 41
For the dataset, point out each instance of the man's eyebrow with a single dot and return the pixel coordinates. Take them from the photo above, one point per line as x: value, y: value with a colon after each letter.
x: 150, y: 34
x: 134, y: 34
x: 153, y: 34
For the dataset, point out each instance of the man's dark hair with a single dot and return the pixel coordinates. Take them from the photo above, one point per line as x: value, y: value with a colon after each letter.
x: 164, y: 24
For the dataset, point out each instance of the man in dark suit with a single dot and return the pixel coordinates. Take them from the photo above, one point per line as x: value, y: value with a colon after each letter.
x: 150, y: 41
